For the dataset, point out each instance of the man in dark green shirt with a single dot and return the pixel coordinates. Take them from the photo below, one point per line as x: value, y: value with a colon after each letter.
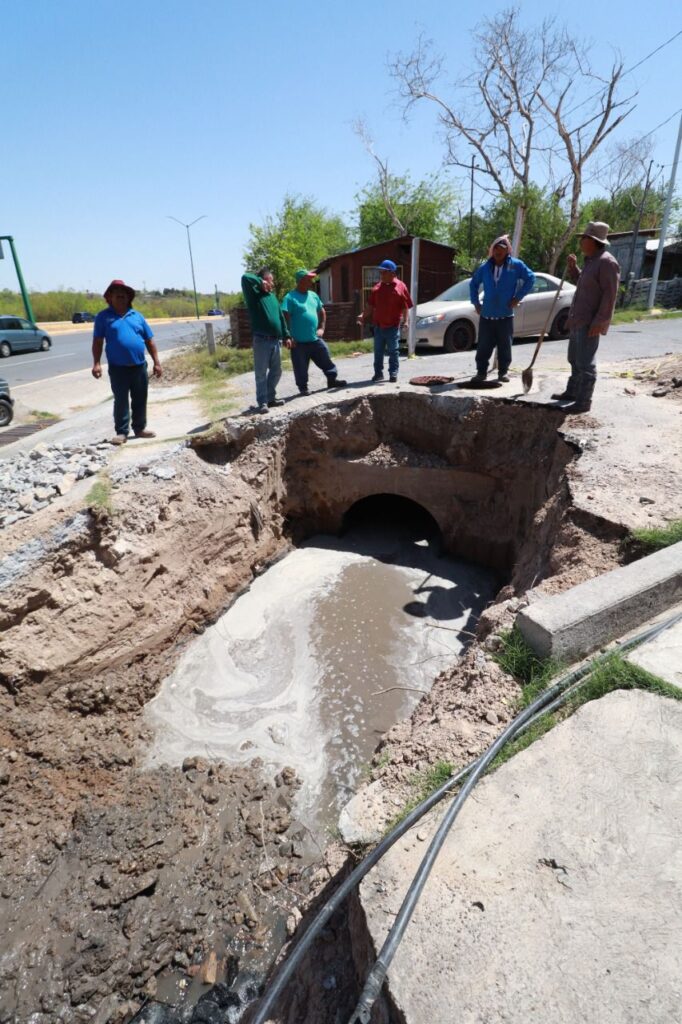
x: 268, y: 328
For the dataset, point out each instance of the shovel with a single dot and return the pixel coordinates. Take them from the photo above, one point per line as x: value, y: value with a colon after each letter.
x: 527, y: 375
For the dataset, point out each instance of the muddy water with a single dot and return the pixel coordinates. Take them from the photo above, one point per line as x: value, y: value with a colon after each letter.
x: 326, y: 651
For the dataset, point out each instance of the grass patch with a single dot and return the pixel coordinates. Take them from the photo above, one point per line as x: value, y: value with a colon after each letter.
x: 198, y: 362
x: 99, y: 497
x: 215, y: 396
x: 423, y: 784
x: 656, y: 538
x: 212, y: 371
x: 634, y: 313
x: 40, y: 416
x: 518, y: 658
x: 614, y: 673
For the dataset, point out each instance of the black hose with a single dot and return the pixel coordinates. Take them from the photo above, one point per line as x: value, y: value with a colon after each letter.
x: 550, y: 699
x: 288, y: 968
x: 353, y: 879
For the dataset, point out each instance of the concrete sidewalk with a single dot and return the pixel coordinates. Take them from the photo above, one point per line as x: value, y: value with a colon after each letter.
x: 556, y: 896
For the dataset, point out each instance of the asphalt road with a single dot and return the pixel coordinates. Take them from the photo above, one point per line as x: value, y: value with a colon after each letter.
x: 648, y: 338
x: 72, y: 351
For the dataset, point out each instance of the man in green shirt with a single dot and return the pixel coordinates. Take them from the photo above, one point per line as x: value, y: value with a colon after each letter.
x: 268, y: 328
x: 306, y: 318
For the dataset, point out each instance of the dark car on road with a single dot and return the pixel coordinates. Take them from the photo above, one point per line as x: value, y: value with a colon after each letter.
x: 216, y: 312
x: 6, y: 404
x: 82, y: 318
x: 19, y: 335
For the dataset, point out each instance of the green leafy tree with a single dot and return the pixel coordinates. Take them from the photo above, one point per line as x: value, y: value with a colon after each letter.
x: 299, y: 235
x: 395, y: 205
x: 620, y: 210
x: 544, y: 225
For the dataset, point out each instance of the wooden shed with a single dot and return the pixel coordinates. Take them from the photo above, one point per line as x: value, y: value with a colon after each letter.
x: 350, y: 276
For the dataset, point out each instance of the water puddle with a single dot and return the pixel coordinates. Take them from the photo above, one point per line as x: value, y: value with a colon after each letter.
x: 324, y: 653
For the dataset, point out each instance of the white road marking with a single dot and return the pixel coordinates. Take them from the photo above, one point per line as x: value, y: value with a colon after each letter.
x: 31, y: 362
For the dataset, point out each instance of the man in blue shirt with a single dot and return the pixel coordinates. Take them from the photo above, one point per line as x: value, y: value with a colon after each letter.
x: 128, y: 338
x: 306, y: 318
x: 505, y: 282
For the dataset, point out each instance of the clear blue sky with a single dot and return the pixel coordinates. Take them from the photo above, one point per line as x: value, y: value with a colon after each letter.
x: 120, y: 114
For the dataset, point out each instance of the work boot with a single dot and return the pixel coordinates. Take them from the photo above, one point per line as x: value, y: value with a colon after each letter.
x: 334, y: 382
x: 145, y: 433
x: 275, y: 402
x: 304, y: 392
x: 503, y: 378
x: 262, y: 409
x: 577, y: 407
x: 118, y: 439
x: 563, y: 396
x: 393, y: 379
x: 377, y: 377
x: 478, y: 378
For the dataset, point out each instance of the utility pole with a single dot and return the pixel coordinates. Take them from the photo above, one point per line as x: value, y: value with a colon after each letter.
x: 28, y: 308
x: 191, y: 259
x: 635, y: 233
x: 471, y: 212
x: 664, y: 224
x: 414, y: 293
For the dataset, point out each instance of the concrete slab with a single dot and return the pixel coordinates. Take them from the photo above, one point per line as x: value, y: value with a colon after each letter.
x: 583, y: 618
x: 556, y: 896
x: 662, y: 656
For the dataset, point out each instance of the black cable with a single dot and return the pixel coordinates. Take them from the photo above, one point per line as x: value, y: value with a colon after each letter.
x: 551, y: 698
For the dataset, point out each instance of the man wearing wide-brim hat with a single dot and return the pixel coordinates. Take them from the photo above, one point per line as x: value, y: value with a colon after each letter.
x: 128, y: 337
x: 590, y: 314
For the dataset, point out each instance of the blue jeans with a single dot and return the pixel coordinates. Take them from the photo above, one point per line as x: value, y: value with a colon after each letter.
x: 494, y: 334
x: 301, y: 355
x: 267, y: 366
x: 386, y: 338
x: 582, y: 355
x: 129, y: 385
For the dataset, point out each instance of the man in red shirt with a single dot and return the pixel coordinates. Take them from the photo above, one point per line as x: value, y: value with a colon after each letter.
x: 388, y: 304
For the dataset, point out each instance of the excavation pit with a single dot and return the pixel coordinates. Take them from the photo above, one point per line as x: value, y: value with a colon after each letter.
x: 337, y: 641
x: 100, y: 611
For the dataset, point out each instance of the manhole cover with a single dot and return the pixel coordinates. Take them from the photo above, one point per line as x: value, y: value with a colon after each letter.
x: 16, y: 433
x: 429, y: 379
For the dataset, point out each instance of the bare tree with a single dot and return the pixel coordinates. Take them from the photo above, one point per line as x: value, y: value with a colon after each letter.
x: 511, y: 109
x: 627, y: 166
x: 383, y: 176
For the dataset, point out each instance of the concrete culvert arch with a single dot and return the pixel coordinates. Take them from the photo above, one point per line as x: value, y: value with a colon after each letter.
x: 394, y: 511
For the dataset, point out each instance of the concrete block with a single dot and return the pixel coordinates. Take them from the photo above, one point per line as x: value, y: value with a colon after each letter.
x: 582, y: 619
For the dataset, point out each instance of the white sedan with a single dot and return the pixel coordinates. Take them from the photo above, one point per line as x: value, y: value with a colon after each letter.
x: 451, y: 322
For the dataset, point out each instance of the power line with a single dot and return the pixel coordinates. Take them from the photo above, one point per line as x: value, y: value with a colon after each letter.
x: 640, y: 139
x: 629, y: 71
x: 658, y: 48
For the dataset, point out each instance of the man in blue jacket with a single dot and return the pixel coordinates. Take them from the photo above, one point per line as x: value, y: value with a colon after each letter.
x: 505, y: 282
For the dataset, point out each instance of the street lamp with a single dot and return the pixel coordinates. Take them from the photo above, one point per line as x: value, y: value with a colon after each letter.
x: 191, y: 261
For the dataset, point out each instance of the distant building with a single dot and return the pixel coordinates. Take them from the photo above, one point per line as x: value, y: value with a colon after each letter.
x: 350, y: 276
x: 639, y: 262
x: 346, y: 280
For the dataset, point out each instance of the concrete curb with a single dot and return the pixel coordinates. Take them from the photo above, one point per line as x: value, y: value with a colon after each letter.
x: 578, y: 621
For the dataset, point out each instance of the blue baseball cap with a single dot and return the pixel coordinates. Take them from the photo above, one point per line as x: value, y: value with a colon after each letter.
x: 388, y: 265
